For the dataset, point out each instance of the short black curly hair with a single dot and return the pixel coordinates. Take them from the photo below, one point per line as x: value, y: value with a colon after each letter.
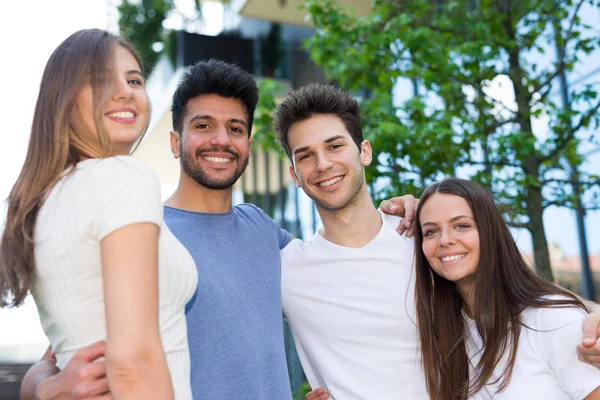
x: 214, y: 77
x: 314, y: 99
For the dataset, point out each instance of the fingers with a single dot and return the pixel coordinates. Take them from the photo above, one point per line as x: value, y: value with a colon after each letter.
x: 93, y: 370
x: 97, y: 388
x: 406, y: 207
x: 410, y: 213
x: 392, y: 208
x: 90, y: 353
x: 317, y: 394
x: 590, y: 355
x: 388, y: 207
x: 591, y: 327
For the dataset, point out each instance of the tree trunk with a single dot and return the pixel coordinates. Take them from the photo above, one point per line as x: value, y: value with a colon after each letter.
x: 529, y: 162
x: 536, y: 228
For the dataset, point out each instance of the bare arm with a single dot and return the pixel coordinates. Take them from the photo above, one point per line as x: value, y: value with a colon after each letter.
x: 136, y: 366
x: 39, y: 372
x: 595, y: 395
x: 81, y: 379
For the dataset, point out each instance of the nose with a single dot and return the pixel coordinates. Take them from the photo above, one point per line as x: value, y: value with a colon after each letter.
x: 446, y: 238
x: 220, y: 137
x: 123, y: 89
x: 323, y: 163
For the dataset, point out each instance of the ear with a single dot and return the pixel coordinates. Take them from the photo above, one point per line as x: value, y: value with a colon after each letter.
x: 250, y: 141
x: 366, y: 153
x: 174, y: 138
x: 294, y: 177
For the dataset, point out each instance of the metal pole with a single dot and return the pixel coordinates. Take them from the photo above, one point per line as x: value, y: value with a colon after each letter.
x: 587, y: 281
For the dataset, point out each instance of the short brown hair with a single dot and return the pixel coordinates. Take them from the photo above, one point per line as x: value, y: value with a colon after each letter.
x: 302, y: 104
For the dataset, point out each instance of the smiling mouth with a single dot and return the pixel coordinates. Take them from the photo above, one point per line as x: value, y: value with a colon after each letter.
x: 330, y: 182
x: 121, y: 114
x: 452, y: 258
x: 220, y: 160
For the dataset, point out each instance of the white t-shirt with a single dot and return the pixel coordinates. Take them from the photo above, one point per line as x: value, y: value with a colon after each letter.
x: 546, y: 366
x: 352, y: 314
x: 98, y: 197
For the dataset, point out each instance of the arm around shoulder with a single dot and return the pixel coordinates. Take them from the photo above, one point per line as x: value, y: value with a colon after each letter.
x: 38, y: 373
x: 82, y: 378
x: 557, y: 331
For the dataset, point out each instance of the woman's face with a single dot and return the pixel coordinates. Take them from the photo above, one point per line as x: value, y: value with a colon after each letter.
x: 450, y: 239
x: 126, y: 112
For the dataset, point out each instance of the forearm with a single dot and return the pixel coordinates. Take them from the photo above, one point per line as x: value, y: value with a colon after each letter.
x: 39, y: 372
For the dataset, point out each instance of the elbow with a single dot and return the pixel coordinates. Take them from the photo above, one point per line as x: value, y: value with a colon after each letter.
x: 134, y: 371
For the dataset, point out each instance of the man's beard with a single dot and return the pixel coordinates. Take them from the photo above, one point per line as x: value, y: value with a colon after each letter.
x: 192, y: 168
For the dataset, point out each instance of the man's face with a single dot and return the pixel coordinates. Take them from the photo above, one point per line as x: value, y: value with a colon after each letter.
x: 327, y: 164
x: 214, y: 144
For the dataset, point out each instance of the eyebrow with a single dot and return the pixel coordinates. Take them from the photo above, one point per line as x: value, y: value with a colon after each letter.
x: 328, y: 140
x: 134, y: 71
x: 451, y: 220
x: 211, y: 118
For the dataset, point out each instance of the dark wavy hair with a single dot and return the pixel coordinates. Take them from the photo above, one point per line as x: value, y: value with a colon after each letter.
x: 214, y: 77
x: 316, y: 99
x: 504, y: 285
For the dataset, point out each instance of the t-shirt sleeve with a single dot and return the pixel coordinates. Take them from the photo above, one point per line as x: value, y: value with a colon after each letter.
x: 558, y: 331
x: 284, y: 236
x: 130, y: 194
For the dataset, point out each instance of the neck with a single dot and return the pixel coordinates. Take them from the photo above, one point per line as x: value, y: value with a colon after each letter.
x: 191, y: 196
x: 356, y: 225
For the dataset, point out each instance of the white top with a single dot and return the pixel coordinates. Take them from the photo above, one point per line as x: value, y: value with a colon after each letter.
x: 97, y: 198
x: 546, y: 366
x: 352, y: 314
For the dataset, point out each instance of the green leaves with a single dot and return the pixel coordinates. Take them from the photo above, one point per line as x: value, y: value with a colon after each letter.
x: 485, y: 75
x: 141, y: 23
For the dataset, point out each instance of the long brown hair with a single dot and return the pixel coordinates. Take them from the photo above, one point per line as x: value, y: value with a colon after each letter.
x: 54, y: 146
x: 504, y: 285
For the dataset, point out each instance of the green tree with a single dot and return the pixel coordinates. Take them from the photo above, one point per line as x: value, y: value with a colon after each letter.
x: 141, y: 23
x: 454, y: 53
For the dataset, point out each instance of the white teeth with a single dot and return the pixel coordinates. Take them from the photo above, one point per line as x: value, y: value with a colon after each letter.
x: 452, y: 258
x: 331, y: 181
x: 122, y: 114
x: 217, y: 159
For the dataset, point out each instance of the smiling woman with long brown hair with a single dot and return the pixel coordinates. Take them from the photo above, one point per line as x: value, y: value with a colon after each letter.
x: 489, y: 325
x: 84, y: 225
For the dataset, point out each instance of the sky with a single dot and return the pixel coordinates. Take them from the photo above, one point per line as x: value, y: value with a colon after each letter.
x: 29, y: 32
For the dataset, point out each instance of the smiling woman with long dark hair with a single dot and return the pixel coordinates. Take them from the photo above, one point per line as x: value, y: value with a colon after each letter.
x: 489, y: 325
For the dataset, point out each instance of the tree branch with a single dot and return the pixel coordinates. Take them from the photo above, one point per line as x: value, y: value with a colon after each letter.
x: 492, y: 163
x: 571, y: 134
x: 570, y: 29
x: 520, y: 225
x: 587, y: 116
x: 559, y: 68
